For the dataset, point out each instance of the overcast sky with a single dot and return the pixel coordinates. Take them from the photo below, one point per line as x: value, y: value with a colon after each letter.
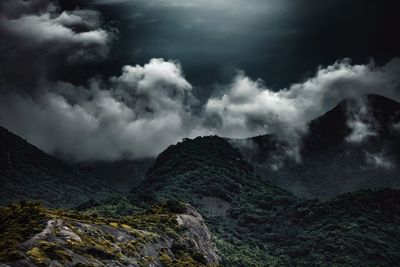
x: 277, y: 41
x: 110, y: 79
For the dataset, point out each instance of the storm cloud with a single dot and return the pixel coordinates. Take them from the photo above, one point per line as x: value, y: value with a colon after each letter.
x: 40, y: 41
x: 280, y: 42
x: 136, y: 114
x: 145, y: 107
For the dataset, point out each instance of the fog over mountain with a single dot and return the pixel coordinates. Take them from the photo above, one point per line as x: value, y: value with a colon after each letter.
x: 56, y: 93
x: 199, y: 133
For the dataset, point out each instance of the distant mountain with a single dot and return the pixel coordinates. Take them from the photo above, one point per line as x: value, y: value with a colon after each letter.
x: 120, y: 175
x: 27, y: 173
x: 356, y: 145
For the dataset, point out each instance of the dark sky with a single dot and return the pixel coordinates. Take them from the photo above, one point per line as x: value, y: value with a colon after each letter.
x: 281, y: 42
x: 112, y: 79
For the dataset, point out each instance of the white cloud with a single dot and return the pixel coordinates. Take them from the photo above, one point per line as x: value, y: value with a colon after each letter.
x: 46, y: 29
x: 38, y: 30
x: 147, y: 108
x: 360, y: 131
x: 140, y: 113
x: 360, y: 121
x: 378, y: 160
x: 249, y: 108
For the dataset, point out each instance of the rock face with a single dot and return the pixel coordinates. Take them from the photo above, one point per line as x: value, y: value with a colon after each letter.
x: 157, y: 238
x: 196, y: 230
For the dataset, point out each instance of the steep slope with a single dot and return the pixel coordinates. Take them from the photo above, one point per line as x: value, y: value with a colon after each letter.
x: 211, y: 175
x: 356, y: 145
x: 206, y: 172
x: 28, y: 173
x: 166, y: 235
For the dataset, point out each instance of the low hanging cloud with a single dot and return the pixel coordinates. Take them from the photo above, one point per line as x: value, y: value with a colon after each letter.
x: 136, y: 114
x: 360, y: 121
x: 396, y: 127
x: 146, y: 108
x: 133, y: 115
x: 249, y: 107
x: 378, y: 160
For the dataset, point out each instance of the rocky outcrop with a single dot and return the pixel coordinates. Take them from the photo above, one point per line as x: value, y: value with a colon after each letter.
x: 157, y: 238
x: 196, y: 231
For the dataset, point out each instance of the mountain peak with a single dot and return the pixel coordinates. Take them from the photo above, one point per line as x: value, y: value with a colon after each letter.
x: 353, y: 146
x: 206, y: 166
x: 370, y: 110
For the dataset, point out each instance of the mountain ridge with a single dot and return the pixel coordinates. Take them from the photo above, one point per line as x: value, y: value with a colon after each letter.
x: 256, y: 223
x: 352, y: 146
x: 28, y: 173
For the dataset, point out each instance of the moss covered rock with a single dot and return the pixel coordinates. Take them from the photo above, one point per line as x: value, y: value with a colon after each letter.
x: 166, y: 235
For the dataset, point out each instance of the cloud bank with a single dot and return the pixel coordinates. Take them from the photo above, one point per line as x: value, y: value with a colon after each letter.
x: 249, y: 108
x: 137, y: 114
x: 40, y: 41
x: 141, y: 111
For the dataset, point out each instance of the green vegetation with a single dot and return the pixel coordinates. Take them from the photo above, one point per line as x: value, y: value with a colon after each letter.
x: 253, y: 222
x: 19, y: 222
x: 76, y: 238
x: 27, y: 173
x: 113, y: 207
x: 266, y: 225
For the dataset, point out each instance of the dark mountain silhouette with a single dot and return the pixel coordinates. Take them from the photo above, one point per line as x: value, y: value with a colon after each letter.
x: 332, y: 128
x: 27, y: 173
x: 356, y: 145
x: 120, y: 175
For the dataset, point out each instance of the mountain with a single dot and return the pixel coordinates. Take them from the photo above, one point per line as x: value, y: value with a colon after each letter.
x: 251, y: 221
x: 354, y: 146
x: 27, y: 173
x: 120, y: 175
x: 255, y: 223
x: 171, y: 234
x: 211, y: 175
x: 206, y: 172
